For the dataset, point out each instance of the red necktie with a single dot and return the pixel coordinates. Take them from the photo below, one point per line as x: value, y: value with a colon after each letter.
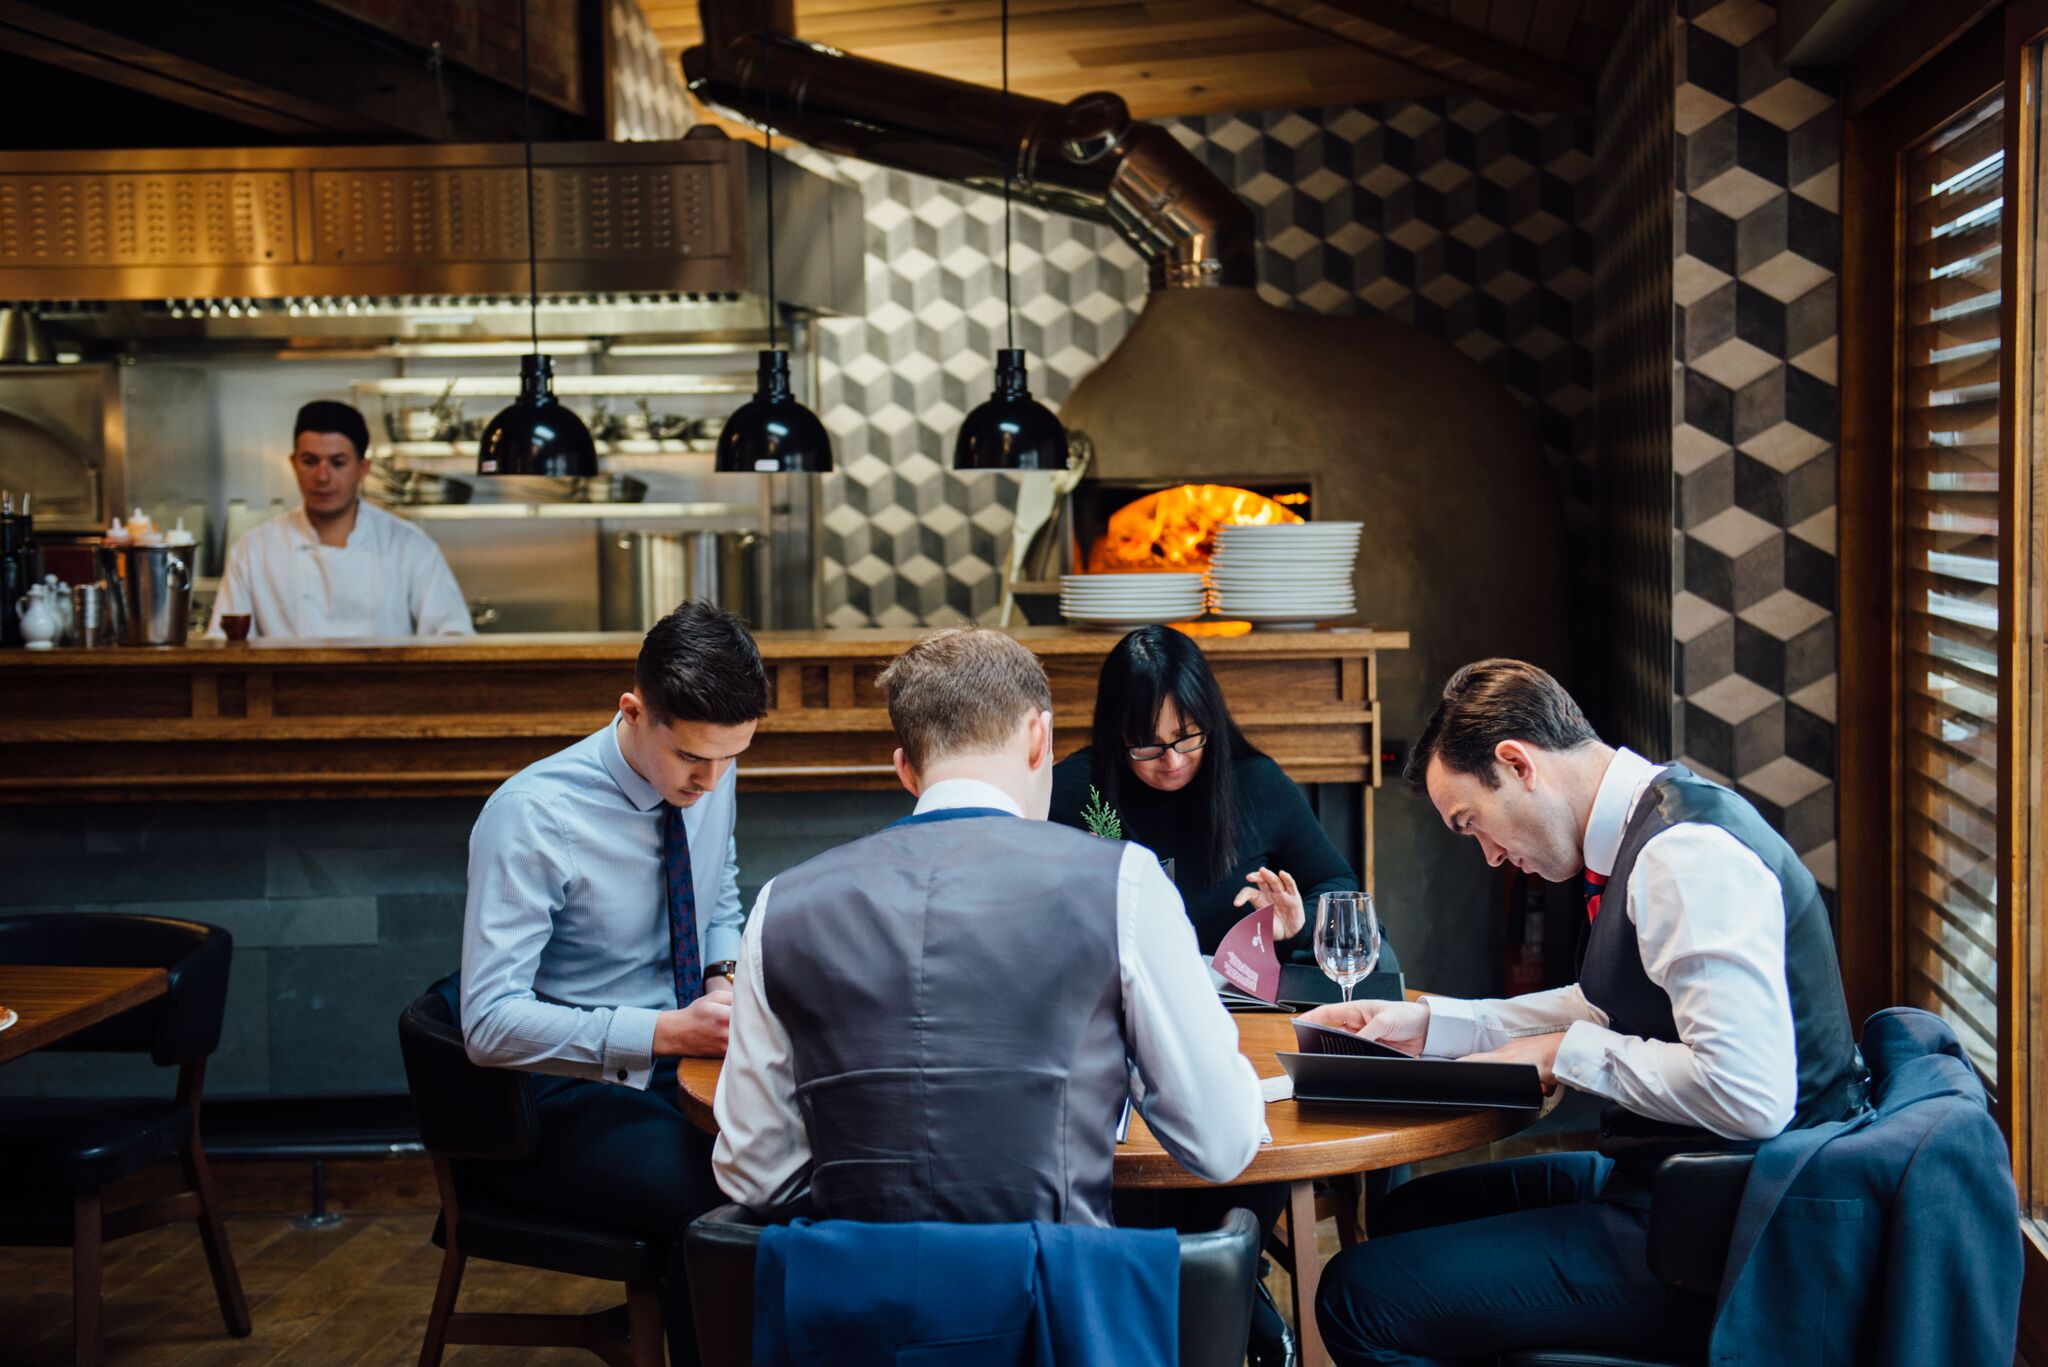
x: 1593, y: 882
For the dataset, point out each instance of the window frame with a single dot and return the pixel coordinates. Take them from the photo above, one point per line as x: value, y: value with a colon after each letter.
x: 2023, y: 659
x: 1888, y: 111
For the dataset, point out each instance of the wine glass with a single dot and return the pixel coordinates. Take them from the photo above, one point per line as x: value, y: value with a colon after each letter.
x: 1347, y: 937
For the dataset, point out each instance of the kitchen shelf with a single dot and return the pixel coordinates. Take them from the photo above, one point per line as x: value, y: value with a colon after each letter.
x: 507, y: 386
x: 482, y: 512
x: 444, y: 450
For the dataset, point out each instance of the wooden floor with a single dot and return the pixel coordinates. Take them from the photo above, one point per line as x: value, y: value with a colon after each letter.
x: 356, y: 1292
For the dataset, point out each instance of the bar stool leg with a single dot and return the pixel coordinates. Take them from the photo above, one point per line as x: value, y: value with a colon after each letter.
x: 1308, y: 1270
x: 85, y: 1279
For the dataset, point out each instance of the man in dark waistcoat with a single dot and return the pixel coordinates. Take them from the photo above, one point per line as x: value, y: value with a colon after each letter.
x: 941, y: 1021
x: 1708, y: 1014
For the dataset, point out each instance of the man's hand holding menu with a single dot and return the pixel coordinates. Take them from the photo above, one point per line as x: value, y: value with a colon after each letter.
x: 1405, y: 1026
x: 1399, y: 1025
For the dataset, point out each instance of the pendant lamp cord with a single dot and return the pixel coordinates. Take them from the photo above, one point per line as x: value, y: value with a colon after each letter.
x: 768, y: 160
x: 1009, y: 167
x: 532, y: 227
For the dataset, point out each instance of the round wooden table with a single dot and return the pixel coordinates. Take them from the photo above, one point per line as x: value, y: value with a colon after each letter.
x: 1310, y: 1140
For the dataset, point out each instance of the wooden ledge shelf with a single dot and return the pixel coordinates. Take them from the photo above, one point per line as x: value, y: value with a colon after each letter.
x: 326, y: 719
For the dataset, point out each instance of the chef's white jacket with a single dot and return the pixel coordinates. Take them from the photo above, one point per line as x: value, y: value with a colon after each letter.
x: 389, y: 580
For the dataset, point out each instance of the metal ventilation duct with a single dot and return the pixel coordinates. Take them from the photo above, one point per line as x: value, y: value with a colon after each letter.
x: 1088, y: 158
x: 672, y: 220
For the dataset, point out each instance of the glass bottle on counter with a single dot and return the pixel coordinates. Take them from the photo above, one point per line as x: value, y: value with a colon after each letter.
x: 19, y: 565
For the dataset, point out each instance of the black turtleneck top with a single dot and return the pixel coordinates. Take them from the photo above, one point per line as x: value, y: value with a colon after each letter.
x: 1275, y: 828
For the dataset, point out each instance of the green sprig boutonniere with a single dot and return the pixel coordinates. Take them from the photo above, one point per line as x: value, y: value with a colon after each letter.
x: 1101, y: 818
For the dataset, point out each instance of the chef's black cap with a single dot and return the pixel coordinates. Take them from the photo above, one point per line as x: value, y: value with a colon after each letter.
x: 325, y: 415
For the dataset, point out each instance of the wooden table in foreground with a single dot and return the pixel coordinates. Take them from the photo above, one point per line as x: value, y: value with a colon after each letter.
x: 1309, y: 1141
x: 55, y: 1002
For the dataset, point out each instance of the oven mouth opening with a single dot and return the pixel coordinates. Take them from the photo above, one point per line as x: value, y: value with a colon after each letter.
x: 1168, y: 526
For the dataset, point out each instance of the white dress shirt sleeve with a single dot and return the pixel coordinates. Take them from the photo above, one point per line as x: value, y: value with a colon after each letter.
x: 1197, y: 1092
x: 762, y: 1157
x: 521, y: 866
x: 722, y: 932
x: 1458, y: 1027
x: 1710, y: 925
x: 434, y: 598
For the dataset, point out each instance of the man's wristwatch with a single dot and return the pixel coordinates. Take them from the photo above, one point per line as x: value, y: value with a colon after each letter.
x: 728, y: 969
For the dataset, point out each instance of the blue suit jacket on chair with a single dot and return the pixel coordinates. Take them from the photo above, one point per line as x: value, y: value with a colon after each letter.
x: 1888, y: 1240
x: 842, y: 1292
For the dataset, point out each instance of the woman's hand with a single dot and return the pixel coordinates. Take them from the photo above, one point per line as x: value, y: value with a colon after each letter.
x: 1278, y: 891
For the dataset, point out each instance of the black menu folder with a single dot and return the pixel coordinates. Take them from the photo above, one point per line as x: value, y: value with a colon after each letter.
x: 1303, y: 986
x: 1394, y: 1079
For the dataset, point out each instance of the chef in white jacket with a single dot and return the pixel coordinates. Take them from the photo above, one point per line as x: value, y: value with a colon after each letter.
x: 337, y: 566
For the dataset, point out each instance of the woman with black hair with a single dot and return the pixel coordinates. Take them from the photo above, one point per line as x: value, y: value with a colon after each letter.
x: 1183, y: 781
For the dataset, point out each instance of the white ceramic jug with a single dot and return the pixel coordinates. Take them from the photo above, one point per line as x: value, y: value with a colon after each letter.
x: 38, y: 619
x: 59, y: 595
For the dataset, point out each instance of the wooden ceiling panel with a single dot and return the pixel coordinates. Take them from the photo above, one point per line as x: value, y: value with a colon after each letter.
x: 1171, y: 57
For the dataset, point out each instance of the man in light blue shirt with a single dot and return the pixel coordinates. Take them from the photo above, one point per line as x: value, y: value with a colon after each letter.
x: 598, y: 945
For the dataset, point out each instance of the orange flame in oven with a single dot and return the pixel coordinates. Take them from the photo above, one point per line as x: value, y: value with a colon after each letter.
x: 1175, y: 529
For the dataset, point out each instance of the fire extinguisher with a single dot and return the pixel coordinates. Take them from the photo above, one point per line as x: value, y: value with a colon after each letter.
x: 1525, y: 901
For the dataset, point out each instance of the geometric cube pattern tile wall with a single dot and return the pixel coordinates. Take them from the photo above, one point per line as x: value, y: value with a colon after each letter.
x: 1449, y: 213
x: 906, y: 540
x: 1757, y: 234
x: 1452, y: 214
x: 648, y: 100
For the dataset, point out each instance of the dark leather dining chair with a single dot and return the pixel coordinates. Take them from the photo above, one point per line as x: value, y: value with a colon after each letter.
x: 57, y: 1154
x: 470, y: 1115
x: 1216, y: 1270
x: 1693, y: 1202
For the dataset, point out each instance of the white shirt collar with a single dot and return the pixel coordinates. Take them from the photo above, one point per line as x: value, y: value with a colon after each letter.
x: 362, y: 533
x: 966, y: 792
x: 638, y: 790
x: 1628, y: 773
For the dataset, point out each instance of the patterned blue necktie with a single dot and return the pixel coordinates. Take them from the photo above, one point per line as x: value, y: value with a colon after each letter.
x: 681, y: 896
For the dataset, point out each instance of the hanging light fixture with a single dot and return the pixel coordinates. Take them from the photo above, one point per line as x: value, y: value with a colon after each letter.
x: 772, y: 433
x: 1012, y: 430
x: 535, y: 435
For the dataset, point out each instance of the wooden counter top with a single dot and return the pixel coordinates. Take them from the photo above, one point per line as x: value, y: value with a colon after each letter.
x: 858, y: 643
x: 297, y: 719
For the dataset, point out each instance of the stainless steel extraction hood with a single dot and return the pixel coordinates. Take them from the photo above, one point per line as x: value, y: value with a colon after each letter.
x: 356, y: 237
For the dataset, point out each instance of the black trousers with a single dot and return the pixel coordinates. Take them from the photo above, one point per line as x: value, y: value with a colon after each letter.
x: 1525, y: 1253
x: 621, y: 1157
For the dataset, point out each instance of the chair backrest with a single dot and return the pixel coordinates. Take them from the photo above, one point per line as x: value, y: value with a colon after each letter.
x: 464, y: 1110
x: 183, y: 1025
x: 1216, y: 1273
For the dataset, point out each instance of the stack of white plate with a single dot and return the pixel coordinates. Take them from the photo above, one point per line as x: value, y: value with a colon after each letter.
x: 1129, y: 600
x: 1292, y: 575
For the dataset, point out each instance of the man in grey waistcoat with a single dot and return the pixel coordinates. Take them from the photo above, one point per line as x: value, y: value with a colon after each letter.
x: 1708, y: 1014
x: 941, y: 1021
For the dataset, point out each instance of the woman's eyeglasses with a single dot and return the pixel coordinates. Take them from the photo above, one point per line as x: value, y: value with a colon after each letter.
x: 1186, y: 745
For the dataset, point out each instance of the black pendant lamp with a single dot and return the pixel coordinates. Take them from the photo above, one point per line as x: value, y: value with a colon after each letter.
x: 1012, y: 431
x: 535, y: 435
x: 772, y: 433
